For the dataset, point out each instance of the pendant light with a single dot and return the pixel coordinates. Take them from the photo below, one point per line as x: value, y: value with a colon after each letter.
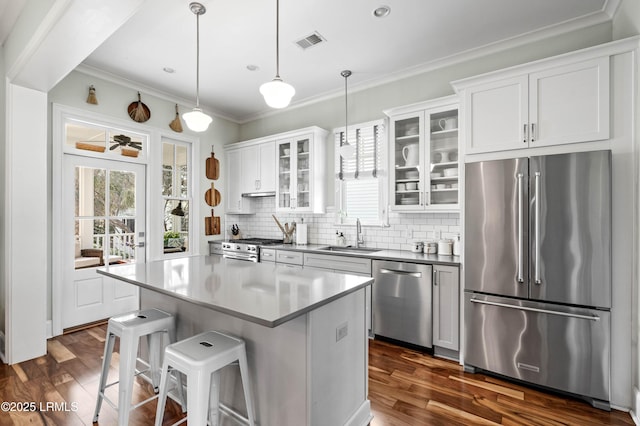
x: 346, y: 150
x: 178, y: 210
x: 277, y: 93
x: 197, y: 120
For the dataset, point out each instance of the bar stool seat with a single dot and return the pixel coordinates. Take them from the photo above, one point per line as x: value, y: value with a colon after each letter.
x: 201, y: 358
x: 129, y: 328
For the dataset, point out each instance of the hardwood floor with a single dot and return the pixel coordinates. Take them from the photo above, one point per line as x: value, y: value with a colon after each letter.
x: 410, y: 388
x: 405, y: 388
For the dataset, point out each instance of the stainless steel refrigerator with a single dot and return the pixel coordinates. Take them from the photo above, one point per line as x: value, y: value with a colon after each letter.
x: 537, y: 264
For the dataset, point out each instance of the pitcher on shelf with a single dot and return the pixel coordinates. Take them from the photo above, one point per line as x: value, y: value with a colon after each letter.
x: 411, y: 154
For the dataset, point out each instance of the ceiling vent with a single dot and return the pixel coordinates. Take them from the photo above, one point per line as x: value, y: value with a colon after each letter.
x: 310, y: 40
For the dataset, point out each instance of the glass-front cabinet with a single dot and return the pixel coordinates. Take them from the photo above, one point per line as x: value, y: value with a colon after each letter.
x: 300, y: 173
x: 424, y: 169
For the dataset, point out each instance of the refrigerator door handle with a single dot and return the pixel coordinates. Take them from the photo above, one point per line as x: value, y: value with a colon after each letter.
x: 539, y: 310
x: 520, y: 225
x: 536, y: 273
x: 398, y: 272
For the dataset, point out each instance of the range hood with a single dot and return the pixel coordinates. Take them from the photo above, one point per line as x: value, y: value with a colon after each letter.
x: 259, y: 194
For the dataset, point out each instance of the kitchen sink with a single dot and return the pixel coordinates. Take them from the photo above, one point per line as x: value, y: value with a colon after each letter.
x: 349, y: 249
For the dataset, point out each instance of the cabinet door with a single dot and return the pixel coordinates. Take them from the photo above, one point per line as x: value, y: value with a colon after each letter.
x: 446, y: 311
x: 441, y: 178
x: 267, y: 166
x: 249, y: 177
x: 406, y: 154
x: 285, y: 179
x: 302, y: 173
x: 496, y: 115
x: 235, y: 203
x: 570, y: 104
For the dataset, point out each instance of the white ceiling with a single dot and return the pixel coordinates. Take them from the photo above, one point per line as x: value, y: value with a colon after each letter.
x: 234, y: 34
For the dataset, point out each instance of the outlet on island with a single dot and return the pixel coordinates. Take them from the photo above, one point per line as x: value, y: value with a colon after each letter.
x: 342, y: 331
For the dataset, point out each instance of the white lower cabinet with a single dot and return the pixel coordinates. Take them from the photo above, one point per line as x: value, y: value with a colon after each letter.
x: 288, y: 256
x: 446, y: 307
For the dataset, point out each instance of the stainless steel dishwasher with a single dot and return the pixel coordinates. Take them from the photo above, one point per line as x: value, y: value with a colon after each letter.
x: 401, y: 300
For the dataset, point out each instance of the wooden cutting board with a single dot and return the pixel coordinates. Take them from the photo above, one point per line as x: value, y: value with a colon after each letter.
x: 212, y: 224
x: 212, y: 167
x: 212, y: 196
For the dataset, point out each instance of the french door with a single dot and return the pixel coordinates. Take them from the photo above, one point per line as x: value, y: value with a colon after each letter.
x: 103, y: 224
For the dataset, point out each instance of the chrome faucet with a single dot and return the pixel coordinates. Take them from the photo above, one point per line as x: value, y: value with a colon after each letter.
x: 359, y: 238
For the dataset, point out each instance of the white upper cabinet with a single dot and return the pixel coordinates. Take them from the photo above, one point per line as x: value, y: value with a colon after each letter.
x: 423, y: 156
x: 258, y: 168
x: 301, y: 172
x: 561, y: 104
x: 235, y: 202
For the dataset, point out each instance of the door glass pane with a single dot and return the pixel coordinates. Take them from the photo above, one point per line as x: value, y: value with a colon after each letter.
x: 176, y: 226
x: 129, y: 144
x: 444, y: 157
x: 406, y: 154
x: 284, y: 170
x: 302, y: 196
x: 90, y: 191
x: 122, y: 193
x: 89, y: 243
x: 121, y: 240
x: 85, y: 137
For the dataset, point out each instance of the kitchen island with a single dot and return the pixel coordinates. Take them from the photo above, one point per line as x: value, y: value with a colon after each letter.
x: 304, y: 330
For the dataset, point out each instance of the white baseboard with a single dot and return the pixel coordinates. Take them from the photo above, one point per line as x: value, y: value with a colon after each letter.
x: 635, y: 409
x: 362, y: 416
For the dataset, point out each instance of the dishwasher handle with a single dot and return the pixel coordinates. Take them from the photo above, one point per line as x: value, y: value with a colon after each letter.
x: 398, y: 272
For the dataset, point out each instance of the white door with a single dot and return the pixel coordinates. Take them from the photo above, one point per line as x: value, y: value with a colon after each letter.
x: 103, y: 224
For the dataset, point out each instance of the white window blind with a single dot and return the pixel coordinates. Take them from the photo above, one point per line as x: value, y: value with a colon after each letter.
x: 359, y: 177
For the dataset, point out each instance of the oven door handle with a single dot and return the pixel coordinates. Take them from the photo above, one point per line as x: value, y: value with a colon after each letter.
x: 238, y: 256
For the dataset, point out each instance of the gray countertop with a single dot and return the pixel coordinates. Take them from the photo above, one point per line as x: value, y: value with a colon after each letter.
x: 382, y: 254
x: 268, y: 294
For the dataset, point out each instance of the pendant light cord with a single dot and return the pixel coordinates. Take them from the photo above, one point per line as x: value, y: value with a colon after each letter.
x: 197, y: 60
x: 278, y: 39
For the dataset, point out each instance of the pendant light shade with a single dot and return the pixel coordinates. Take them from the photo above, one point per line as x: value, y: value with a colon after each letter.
x: 178, y: 210
x: 197, y: 120
x: 346, y: 150
x: 277, y: 93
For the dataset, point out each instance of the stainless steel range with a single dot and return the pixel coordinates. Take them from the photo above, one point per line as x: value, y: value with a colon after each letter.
x: 246, y: 248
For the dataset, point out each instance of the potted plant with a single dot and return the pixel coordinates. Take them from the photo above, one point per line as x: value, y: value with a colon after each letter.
x: 173, y: 239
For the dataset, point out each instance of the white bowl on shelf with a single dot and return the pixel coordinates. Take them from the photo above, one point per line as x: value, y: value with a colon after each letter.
x: 412, y: 174
x: 400, y: 186
x: 451, y: 172
x: 411, y: 186
x: 436, y: 175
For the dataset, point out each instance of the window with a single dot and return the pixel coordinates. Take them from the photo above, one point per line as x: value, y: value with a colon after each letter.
x: 360, y: 174
x: 176, y: 193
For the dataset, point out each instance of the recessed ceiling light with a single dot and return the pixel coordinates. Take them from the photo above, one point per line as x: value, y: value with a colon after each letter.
x: 381, y: 12
x: 252, y: 67
x: 168, y: 70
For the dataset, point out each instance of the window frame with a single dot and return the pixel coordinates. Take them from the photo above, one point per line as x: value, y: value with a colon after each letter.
x: 341, y: 217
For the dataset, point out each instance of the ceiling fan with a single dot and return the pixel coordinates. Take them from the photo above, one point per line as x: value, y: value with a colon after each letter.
x: 122, y: 141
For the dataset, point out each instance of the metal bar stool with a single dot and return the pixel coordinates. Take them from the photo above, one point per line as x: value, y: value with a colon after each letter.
x: 201, y: 358
x: 152, y: 323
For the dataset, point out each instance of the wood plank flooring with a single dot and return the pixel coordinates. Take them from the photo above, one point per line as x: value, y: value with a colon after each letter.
x: 406, y: 387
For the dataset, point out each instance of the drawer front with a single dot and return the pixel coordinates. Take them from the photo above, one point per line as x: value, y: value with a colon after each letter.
x: 291, y: 257
x: 267, y: 255
x: 560, y: 347
x: 339, y: 263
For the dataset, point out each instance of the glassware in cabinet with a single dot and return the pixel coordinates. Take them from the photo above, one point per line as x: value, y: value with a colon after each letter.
x: 302, y: 173
x: 284, y: 175
x: 407, y: 154
x: 443, y: 155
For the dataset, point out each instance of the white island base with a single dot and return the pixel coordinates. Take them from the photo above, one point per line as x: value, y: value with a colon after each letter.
x: 310, y: 370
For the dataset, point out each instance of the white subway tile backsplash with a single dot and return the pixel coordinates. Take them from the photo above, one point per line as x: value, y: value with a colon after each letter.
x: 403, y: 228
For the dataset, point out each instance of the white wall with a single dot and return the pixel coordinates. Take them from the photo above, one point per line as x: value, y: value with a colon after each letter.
x: 113, y: 99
